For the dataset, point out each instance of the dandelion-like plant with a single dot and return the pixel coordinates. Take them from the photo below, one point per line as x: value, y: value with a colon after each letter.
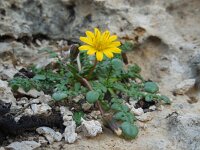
x: 100, y: 44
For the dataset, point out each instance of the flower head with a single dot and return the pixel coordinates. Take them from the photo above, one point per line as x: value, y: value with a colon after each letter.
x: 100, y: 44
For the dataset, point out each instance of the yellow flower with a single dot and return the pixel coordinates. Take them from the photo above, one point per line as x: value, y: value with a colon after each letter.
x: 100, y: 44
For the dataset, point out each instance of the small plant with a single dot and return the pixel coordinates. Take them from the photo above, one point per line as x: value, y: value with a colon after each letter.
x: 104, y: 82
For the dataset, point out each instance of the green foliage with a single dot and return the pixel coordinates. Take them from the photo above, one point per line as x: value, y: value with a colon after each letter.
x: 127, y: 46
x: 129, y: 130
x: 151, y: 87
x: 57, y: 96
x: 77, y: 115
x: 92, y: 96
x: 110, y: 79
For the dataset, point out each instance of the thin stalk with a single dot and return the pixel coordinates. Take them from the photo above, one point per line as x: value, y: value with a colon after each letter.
x: 92, y: 70
x: 85, y: 81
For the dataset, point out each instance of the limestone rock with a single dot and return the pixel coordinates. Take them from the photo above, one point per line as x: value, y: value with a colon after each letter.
x: 145, y: 117
x: 24, y: 145
x: 6, y: 93
x: 40, y: 109
x: 184, y: 86
x: 69, y: 134
x: 33, y: 92
x: 50, y: 134
x: 184, y: 130
x: 91, y: 128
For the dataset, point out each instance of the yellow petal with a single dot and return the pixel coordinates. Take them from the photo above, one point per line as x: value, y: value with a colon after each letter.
x: 86, y: 40
x: 97, y: 34
x: 89, y: 34
x: 112, y: 38
x: 105, y: 35
x: 115, y: 50
x: 84, y: 47
x: 115, y: 44
x: 108, y: 54
x: 91, y: 52
x: 99, y: 56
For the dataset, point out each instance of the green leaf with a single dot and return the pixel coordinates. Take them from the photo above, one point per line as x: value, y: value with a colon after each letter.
x: 77, y: 86
x: 14, y: 87
x: 116, y: 100
x: 120, y: 116
x: 117, y: 64
x: 124, y: 116
x: 39, y: 77
x: 165, y: 99
x: 105, y: 105
x: 148, y: 97
x: 127, y: 46
x: 119, y: 86
x: 129, y: 130
x: 151, y: 87
x: 92, y: 96
x: 116, y: 107
x: 125, y: 108
x: 59, y: 95
x: 77, y: 117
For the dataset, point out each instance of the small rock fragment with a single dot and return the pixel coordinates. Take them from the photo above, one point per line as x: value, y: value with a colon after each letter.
x: 145, y: 117
x: 65, y: 111
x: 33, y: 92
x: 138, y: 111
x: 70, y: 135
x: 86, y: 106
x: 6, y: 93
x: 95, y: 114
x: 42, y: 99
x: 24, y: 145
x: 42, y: 141
x: 91, y: 128
x: 40, y: 109
x: 50, y: 134
x: 184, y: 86
x: 78, y: 98
x: 153, y: 107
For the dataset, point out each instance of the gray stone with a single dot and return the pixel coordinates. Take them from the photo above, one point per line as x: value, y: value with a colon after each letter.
x: 24, y: 145
x: 91, y: 128
x: 50, y: 134
x: 33, y: 92
x: 145, y: 117
x: 69, y: 134
x: 40, y: 109
x: 184, y: 131
x: 184, y: 86
x: 6, y: 93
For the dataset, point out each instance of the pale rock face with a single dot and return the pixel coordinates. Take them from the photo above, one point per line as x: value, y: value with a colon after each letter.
x: 184, y: 86
x: 50, y: 134
x: 185, y: 129
x: 24, y: 145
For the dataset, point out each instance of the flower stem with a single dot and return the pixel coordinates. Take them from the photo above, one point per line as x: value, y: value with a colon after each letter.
x: 85, y: 81
x: 92, y: 70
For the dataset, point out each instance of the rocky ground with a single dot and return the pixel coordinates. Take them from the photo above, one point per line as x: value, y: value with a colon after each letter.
x: 167, y: 48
